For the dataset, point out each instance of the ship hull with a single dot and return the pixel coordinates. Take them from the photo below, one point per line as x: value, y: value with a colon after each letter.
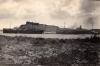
x: 77, y: 32
x: 23, y: 31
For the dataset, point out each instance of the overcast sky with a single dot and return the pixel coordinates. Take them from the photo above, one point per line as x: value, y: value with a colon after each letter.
x: 52, y: 12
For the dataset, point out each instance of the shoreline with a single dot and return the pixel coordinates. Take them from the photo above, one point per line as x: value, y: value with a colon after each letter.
x: 28, y: 50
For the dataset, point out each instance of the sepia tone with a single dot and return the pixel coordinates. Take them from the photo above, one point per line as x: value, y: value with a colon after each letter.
x: 49, y: 33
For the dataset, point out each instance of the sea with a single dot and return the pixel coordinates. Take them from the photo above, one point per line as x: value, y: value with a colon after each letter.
x: 59, y: 36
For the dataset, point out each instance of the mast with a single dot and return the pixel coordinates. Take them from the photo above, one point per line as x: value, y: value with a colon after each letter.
x: 64, y: 25
x: 10, y: 25
x: 92, y: 25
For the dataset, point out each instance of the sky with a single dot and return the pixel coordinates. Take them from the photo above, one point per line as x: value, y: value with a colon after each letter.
x: 74, y: 13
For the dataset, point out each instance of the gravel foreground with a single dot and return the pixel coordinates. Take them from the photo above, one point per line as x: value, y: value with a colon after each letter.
x: 27, y: 51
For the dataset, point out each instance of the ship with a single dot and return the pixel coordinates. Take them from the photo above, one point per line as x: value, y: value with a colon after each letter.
x: 29, y: 31
x: 28, y: 28
x: 78, y: 30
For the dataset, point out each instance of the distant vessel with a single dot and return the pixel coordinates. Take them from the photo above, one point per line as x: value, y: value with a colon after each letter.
x: 79, y: 30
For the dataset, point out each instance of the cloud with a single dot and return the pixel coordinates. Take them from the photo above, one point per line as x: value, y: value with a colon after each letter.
x: 65, y: 9
x: 88, y: 6
x: 5, y: 14
x: 88, y: 9
x: 2, y: 1
x: 45, y: 11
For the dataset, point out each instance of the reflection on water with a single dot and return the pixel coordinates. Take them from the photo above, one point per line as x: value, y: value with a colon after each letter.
x: 60, y: 36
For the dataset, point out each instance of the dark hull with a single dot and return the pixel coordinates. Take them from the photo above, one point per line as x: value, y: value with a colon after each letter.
x: 77, y: 32
x: 23, y: 31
